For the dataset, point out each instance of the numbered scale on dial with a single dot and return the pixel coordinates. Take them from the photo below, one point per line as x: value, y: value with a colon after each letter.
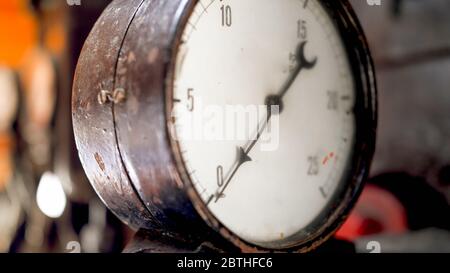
x: 255, y: 117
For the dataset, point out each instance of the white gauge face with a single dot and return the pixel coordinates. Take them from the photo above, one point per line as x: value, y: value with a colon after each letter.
x: 265, y: 175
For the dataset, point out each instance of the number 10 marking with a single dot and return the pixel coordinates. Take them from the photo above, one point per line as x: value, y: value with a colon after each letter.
x: 227, y: 16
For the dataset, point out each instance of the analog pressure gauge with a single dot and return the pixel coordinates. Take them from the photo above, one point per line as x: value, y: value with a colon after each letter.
x: 254, y: 120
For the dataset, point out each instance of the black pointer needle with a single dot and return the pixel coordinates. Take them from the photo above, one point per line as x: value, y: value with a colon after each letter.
x: 302, y: 63
x: 243, y: 157
x: 273, y: 100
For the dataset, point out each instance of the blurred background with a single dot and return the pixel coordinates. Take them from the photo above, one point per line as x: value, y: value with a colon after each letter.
x: 47, y: 204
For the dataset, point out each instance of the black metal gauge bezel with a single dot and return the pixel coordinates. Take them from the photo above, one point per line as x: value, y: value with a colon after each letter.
x: 365, y: 109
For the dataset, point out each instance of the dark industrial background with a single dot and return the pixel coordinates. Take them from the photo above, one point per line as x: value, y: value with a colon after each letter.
x: 404, y: 208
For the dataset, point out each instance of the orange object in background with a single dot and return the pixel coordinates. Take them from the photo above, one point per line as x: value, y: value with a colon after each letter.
x: 38, y: 80
x: 6, y: 164
x: 18, y: 35
x: 18, y: 31
x: 8, y: 111
x: 377, y: 212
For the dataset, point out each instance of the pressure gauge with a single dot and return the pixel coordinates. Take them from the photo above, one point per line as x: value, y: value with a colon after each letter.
x: 253, y: 119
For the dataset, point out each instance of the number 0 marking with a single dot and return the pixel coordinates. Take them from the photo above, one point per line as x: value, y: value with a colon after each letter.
x: 220, y: 176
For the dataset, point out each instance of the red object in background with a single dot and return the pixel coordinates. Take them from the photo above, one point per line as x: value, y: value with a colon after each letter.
x: 377, y: 211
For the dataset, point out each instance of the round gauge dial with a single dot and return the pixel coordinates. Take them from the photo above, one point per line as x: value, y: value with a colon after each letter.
x: 264, y: 114
x: 227, y: 121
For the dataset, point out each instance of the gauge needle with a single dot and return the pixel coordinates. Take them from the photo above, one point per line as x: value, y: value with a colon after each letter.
x: 272, y: 100
x: 302, y: 63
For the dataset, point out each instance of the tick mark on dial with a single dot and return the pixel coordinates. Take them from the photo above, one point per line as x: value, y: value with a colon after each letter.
x: 345, y: 98
x: 305, y: 4
x: 322, y: 191
x: 210, y: 200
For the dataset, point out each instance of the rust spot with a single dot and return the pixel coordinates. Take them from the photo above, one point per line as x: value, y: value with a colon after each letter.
x: 100, y: 162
